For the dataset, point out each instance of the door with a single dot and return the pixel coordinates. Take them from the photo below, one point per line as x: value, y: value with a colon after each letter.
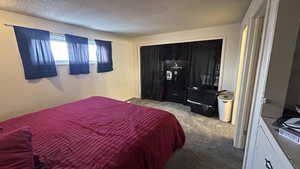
x: 252, y: 76
x: 239, y: 75
x: 274, y: 68
x: 242, y: 105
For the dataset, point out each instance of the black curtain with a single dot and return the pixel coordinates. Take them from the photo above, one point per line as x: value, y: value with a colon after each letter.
x: 152, y: 74
x: 176, y: 55
x: 204, y: 63
x: 35, y: 51
x: 198, y: 65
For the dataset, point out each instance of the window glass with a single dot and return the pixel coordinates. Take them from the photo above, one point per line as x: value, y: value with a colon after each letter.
x: 59, y: 49
x: 92, y: 51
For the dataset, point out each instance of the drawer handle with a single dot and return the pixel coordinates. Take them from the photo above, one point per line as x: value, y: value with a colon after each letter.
x: 268, y: 164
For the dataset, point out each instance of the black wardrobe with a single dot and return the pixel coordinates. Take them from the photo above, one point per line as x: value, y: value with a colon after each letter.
x: 168, y: 71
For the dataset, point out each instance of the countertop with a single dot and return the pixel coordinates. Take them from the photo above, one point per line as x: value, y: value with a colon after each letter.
x: 290, y: 149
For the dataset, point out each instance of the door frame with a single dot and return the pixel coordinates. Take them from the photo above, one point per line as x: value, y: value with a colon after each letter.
x: 195, y: 39
x: 244, y: 99
x: 261, y: 79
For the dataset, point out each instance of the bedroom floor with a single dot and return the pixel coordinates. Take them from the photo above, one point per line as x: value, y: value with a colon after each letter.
x: 208, y: 140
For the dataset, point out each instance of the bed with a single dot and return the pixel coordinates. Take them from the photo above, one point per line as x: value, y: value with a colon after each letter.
x: 102, y: 133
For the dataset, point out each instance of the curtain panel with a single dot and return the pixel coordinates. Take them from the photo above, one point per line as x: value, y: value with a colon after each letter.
x: 152, y: 72
x: 205, y: 64
x: 104, y: 56
x: 78, y: 54
x: 168, y: 70
x: 35, y: 52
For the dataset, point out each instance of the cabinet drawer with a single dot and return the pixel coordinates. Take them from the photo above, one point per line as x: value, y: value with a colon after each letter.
x: 265, y: 157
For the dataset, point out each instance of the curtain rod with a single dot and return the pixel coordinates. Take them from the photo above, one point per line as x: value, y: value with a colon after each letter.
x: 54, y: 33
x: 8, y: 25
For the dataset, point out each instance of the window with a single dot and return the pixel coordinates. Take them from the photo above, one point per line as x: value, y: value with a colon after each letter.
x: 59, y: 49
x: 92, y: 51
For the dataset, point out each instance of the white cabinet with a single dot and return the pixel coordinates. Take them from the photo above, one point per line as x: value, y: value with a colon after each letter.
x: 261, y: 153
x: 266, y: 154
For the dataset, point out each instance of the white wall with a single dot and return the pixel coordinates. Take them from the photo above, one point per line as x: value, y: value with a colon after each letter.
x: 293, y: 95
x: 19, y: 96
x: 230, y: 33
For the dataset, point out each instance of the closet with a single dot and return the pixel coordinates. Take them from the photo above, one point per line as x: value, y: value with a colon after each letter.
x: 168, y: 71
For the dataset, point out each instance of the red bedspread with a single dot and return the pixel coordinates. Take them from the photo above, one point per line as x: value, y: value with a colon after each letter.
x: 101, y: 133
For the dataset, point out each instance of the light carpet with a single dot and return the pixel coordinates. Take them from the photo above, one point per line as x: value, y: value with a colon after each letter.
x: 208, y: 140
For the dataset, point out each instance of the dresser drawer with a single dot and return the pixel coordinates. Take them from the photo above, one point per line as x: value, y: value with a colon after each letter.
x: 265, y: 156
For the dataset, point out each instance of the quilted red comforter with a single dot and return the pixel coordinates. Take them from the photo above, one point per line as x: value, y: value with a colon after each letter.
x: 101, y: 133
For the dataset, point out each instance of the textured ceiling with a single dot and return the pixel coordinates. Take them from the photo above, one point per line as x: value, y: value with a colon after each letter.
x: 134, y: 17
